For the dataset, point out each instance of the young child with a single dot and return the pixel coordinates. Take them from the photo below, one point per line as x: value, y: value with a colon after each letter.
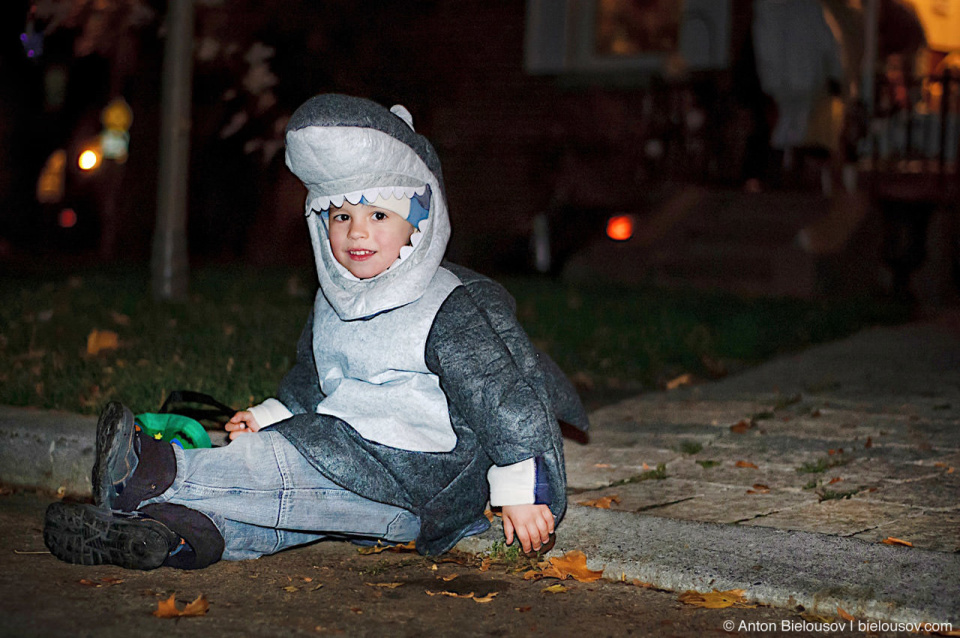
x: 415, y: 399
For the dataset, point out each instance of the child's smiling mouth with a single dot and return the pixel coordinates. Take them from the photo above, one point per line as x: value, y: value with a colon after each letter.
x: 361, y: 254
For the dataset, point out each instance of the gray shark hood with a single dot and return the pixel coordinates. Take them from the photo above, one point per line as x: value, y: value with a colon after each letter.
x: 348, y: 148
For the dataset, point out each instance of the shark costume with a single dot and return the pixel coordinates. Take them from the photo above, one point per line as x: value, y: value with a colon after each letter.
x: 413, y: 392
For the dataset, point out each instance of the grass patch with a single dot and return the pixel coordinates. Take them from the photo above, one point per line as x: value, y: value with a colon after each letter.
x: 236, y: 336
x: 822, y: 465
x: 657, y: 474
x: 828, y: 495
x: 691, y: 447
x: 708, y: 464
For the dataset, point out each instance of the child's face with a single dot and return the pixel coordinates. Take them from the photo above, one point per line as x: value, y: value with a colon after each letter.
x: 365, y: 239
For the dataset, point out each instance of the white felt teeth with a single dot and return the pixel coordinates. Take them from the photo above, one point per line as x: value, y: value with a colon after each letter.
x: 405, y: 251
x: 415, y: 239
x: 324, y: 202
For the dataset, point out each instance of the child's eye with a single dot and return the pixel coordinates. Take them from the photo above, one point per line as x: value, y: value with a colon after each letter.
x: 379, y: 216
x: 341, y: 217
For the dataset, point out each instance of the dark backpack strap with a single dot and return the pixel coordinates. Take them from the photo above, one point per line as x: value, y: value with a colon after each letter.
x: 215, y: 408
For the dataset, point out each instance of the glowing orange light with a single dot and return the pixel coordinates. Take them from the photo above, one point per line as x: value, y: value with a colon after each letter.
x: 620, y: 227
x: 88, y: 160
x: 67, y: 218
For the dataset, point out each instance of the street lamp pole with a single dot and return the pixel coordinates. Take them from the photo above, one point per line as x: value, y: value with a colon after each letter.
x: 169, y: 263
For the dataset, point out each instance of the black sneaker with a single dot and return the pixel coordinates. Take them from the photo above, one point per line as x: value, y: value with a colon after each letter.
x: 116, y: 454
x: 88, y: 535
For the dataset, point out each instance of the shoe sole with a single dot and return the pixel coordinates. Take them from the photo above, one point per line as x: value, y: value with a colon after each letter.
x: 115, y: 436
x: 87, y: 535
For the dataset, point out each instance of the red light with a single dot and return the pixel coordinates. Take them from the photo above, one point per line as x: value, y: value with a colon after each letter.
x: 620, y: 227
x: 67, y: 218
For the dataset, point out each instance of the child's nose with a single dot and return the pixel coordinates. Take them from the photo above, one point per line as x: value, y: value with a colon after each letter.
x: 358, y: 228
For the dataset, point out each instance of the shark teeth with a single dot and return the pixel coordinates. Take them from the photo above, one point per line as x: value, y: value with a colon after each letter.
x: 325, y: 202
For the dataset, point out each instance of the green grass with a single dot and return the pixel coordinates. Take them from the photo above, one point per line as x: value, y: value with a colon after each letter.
x: 657, y: 474
x: 822, y: 465
x: 236, y: 336
x: 691, y: 447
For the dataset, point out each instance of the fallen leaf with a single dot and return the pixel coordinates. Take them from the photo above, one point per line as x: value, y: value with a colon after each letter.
x: 683, y: 379
x: 291, y: 589
x: 759, y: 488
x: 307, y: 579
x: 890, y: 540
x: 356, y: 610
x: 835, y: 479
x: 119, y: 318
x: 533, y: 574
x: 489, y: 515
x: 450, y: 594
x: 486, y: 599
x: 746, y: 464
x: 646, y: 468
x: 168, y: 608
x: 602, y: 465
x: 601, y: 503
x: 843, y: 614
x: 716, y: 599
x: 554, y: 589
x: 485, y: 564
x: 90, y: 583
x: 385, y: 585
x: 523, y: 609
x: 99, y: 340
x: 448, y: 577
x: 380, y: 547
x: 869, y: 443
x: 741, y: 426
x: 832, y: 452
x: 574, y: 564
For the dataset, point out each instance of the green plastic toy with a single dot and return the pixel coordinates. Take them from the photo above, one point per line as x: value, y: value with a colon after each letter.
x: 174, y: 428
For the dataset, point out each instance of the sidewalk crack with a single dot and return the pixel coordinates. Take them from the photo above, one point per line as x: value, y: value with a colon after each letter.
x: 656, y: 505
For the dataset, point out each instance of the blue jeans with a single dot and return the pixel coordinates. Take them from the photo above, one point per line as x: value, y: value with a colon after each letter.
x: 264, y: 496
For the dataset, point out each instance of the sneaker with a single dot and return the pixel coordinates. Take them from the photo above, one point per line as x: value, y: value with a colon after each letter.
x: 88, y: 535
x: 116, y: 454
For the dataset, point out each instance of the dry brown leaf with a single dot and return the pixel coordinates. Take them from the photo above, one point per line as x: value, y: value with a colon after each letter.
x: 601, y: 503
x: 385, y: 585
x: 843, y: 614
x: 533, y: 574
x: 746, y: 464
x: 636, y: 582
x: 716, y: 599
x: 291, y: 588
x: 890, y: 540
x: 523, y: 609
x: 683, y: 379
x: 554, y: 589
x: 380, y: 547
x: 448, y: 577
x: 119, y: 318
x: 833, y: 452
x: 602, y: 465
x: 489, y: 515
x: 835, y: 479
x: 869, y: 443
x: 450, y: 594
x: 759, y: 488
x: 486, y: 599
x: 100, y: 340
x: 168, y: 608
x: 573, y: 564
x: 485, y: 564
x: 741, y: 426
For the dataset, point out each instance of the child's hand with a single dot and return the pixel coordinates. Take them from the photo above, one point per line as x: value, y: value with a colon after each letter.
x: 241, y: 423
x: 532, y: 524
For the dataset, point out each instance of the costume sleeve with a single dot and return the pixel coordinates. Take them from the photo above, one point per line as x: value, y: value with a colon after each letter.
x: 299, y: 389
x: 484, y: 386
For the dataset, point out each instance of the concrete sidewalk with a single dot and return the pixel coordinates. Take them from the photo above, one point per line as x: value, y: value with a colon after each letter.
x: 783, y: 480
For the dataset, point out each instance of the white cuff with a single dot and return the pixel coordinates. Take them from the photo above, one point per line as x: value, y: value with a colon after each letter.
x: 269, y: 412
x: 513, y: 484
